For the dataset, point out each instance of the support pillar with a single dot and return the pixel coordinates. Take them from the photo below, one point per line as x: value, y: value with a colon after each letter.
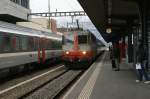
x: 144, y: 14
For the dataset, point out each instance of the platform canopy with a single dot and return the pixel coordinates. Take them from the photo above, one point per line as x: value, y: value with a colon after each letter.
x: 114, y: 14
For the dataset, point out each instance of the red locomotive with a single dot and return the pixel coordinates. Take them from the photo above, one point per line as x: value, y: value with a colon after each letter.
x: 80, y: 48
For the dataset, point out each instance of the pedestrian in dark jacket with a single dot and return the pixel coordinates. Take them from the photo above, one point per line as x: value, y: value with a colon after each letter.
x: 140, y: 65
x: 115, y: 57
x: 112, y: 58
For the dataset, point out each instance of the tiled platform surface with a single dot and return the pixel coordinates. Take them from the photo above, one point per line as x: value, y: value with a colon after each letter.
x: 100, y: 82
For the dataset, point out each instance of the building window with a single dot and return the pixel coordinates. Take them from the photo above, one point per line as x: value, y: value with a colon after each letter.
x: 16, y: 1
x: 24, y: 3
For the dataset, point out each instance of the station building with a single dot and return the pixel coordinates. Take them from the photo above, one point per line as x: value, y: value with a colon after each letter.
x: 40, y: 24
x: 13, y: 11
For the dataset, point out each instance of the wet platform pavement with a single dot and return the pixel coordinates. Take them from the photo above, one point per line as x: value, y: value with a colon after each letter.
x: 101, y: 82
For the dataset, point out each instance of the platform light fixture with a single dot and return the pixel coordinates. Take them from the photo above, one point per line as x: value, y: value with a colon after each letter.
x: 108, y: 30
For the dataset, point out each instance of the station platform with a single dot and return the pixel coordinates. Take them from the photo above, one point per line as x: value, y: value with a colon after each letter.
x: 101, y: 82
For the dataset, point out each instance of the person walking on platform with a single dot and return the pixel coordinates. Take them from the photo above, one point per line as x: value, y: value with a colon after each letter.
x: 112, y: 58
x: 141, y: 73
x: 140, y: 66
x: 116, y: 57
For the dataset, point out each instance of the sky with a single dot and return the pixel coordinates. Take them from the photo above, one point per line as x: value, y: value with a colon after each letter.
x: 38, y: 6
x: 60, y: 5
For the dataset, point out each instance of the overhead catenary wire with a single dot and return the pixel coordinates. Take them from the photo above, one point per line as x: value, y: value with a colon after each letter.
x: 70, y: 6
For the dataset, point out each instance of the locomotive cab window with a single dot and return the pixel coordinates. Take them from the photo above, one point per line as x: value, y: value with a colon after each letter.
x: 82, y: 39
x: 68, y: 39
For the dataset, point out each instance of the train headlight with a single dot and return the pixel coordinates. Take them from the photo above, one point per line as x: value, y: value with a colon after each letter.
x: 84, y: 52
x: 67, y: 52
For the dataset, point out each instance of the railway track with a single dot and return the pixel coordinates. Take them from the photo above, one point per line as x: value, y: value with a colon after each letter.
x: 44, y: 85
x: 53, y: 88
x: 22, y: 88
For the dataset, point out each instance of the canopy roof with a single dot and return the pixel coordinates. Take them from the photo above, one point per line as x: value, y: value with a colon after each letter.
x: 114, y: 14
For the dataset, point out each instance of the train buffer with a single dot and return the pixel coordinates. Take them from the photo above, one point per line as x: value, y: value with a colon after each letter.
x: 101, y: 82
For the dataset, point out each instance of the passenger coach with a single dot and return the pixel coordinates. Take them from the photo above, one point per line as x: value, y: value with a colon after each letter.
x: 20, y: 45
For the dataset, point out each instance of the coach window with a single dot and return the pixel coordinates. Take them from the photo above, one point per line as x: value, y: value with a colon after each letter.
x: 53, y: 46
x: 36, y: 43
x: 24, y: 43
x: 49, y: 44
x: 56, y: 45
x: 43, y: 45
x: 63, y: 39
x: 31, y: 43
x: 7, y: 43
x: 1, y: 42
x: 17, y: 43
x: 59, y: 44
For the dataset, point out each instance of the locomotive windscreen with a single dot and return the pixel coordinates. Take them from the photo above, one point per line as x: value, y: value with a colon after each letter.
x: 82, y: 39
x: 68, y: 39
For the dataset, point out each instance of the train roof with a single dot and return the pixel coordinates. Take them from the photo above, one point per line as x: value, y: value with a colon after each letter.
x: 81, y: 32
x: 16, y: 29
x: 85, y: 32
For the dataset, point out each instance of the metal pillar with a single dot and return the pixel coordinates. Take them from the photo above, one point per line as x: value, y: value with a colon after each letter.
x: 130, y: 41
x: 130, y: 48
x: 135, y: 45
x: 144, y: 12
x: 49, y: 18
